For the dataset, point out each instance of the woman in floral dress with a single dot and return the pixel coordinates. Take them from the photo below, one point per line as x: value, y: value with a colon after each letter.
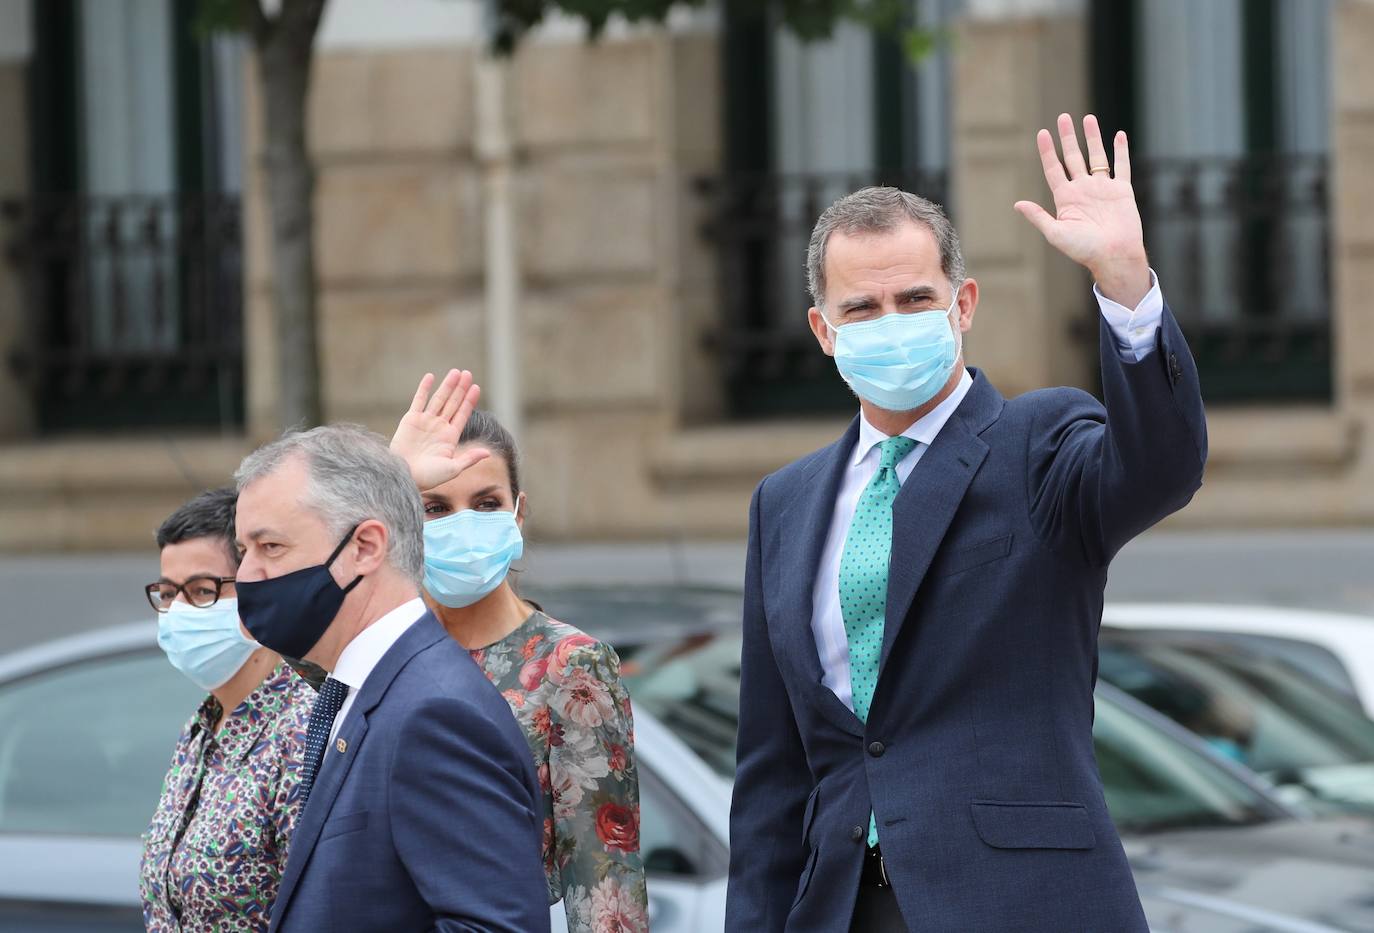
x: 216, y: 848
x: 563, y: 685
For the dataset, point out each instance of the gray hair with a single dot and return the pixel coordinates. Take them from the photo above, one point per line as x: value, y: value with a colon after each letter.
x: 881, y: 210
x: 353, y: 477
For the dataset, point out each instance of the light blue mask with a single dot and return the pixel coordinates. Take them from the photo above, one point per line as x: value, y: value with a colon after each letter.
x: 898, y: 361
x: 207, y: 645
x: 468, y: 554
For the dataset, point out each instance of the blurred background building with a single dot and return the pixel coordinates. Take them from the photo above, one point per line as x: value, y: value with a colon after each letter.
x: 663, y: 182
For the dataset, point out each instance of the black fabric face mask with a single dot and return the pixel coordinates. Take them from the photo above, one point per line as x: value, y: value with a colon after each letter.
x: 291, y: 613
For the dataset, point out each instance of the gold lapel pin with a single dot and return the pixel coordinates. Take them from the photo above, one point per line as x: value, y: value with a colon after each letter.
x: 341, y: 745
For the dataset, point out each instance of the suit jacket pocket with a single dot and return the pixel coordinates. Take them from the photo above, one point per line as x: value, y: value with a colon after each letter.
x: 1006, y: 824
x: 809, y: 815
x: 969, y: 557
x: 340, y: 825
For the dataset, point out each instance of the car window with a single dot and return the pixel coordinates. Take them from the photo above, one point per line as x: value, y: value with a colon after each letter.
x: 672, y: 841
x: 83, y: 748
x: 1303, y: 657
x: 1155, y: 782
x: 1252, y: 708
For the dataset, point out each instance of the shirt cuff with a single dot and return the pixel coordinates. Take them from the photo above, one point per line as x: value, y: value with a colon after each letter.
x: 1134, y: 330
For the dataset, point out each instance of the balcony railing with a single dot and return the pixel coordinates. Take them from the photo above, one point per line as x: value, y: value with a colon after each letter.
x: 133, y: 309
x: 1242, y: 248
x: 759, y: 226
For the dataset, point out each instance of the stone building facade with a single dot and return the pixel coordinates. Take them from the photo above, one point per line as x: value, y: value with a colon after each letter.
x: 632, y: 387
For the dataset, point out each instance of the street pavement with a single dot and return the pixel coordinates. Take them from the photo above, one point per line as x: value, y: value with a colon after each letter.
x: 47, y: 596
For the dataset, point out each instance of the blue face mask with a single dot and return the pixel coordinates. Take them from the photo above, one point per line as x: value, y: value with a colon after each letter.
x: 206, y: 645
x: 898, y: 361
x: 468, y: 554
x: 291, y: 613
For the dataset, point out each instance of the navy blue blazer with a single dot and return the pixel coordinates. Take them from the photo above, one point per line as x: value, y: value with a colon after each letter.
x: 426, y: 814
x: 977, y: 756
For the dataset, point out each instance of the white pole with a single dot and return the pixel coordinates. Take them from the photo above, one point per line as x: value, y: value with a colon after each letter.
x: 496, y: 153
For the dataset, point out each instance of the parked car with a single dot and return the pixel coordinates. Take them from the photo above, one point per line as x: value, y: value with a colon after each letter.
x: 87, y: 726
x: 1315, y: 746
x: 1336, y: 648
x: 1213, y: 849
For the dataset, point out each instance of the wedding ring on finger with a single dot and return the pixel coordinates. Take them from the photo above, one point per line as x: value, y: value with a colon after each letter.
x: 1099, y: 168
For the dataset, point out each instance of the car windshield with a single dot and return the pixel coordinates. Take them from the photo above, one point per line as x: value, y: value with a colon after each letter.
x: 1251, y: 708
x: 1153, y: 780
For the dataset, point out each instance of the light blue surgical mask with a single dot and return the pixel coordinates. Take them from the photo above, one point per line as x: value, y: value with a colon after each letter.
x: 899, y: 361
x: 207, y: 645
x: 468, y: 554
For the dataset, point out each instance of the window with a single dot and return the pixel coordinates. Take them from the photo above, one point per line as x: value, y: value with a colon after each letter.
x: 672, y: 841
x: 84, y: 748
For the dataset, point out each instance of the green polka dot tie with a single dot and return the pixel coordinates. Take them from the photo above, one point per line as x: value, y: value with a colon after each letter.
x: 863, y: 580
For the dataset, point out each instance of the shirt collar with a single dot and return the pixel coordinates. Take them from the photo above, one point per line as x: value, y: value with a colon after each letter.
x: 361, y: 654
x: 924, y: 431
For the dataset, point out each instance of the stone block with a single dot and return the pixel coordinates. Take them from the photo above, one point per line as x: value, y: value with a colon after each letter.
x: 584, y: 347
x: 588, y: 223
x: 397, y: 221
x: 697, y: 99
x: 574, y: 93
x: 990, y: 79
x: 375, y: 346
x: 1352, y: 66
x: 341, y: 108
x: 1010, y: 333
x: 1352, y: 200
x: 1354, y: 329
x: 394, y: 101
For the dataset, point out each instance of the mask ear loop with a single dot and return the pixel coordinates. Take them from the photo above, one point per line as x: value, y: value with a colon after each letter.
x: 335, y: 556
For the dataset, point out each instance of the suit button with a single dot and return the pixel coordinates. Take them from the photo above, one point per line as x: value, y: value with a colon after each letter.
x: 857, y: 834
x: 877, y: 749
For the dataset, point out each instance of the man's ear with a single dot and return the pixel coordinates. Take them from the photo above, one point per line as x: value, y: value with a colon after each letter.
x: 816, y: 319
x: 369, y: 546
x: 968, y: 304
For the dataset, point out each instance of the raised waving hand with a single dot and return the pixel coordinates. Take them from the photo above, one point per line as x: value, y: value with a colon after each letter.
x: 427, y: 437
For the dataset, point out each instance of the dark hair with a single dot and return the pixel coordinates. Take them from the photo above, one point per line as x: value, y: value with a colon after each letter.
x: 208, y: 515
x: 483, y: 429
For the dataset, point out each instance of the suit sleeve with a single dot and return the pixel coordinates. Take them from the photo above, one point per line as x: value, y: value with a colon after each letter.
x: 767, y: 853
x: 464, y: 821
x: 1102, y: 473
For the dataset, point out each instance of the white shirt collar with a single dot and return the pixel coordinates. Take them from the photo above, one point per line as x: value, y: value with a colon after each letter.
x: 361, y: 654
x: 923, y: 431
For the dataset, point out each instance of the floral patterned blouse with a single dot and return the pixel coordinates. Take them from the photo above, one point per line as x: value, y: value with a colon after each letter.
x: 215, y: 851
x: 564, y: 688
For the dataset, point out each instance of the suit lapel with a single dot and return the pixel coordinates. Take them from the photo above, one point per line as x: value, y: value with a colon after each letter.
x: 929, y: 499
x: 807, y: 522
x: 336, y: 765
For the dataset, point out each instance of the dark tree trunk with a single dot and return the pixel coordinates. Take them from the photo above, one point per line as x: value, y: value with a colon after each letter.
x: 284, y: 45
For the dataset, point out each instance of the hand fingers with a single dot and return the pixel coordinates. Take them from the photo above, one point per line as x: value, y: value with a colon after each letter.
x: 422, y: 393
x: 1097, y: 153
x: 1049, y: 160
x: 1068, y: 139
x: 1037, y: 215
x: 1123, y: 157
x: 466, y: 408
x: 455, y: 400
x: 442, y: 394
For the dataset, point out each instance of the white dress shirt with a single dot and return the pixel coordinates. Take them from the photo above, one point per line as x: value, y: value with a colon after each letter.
x: 361, y: 654
x: 1135, y: 333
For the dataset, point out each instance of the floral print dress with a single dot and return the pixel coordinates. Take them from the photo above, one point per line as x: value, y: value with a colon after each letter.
x: 564, y: 688
x: 216, y: 849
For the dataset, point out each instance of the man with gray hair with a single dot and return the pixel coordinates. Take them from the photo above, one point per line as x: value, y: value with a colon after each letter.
x: 922, y: 597
x: 422, y: 809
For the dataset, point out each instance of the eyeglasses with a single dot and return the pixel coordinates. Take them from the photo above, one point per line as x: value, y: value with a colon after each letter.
x: 201, y: 592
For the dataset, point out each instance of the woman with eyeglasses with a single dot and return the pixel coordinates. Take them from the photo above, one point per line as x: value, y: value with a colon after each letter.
x: 563, y: 686
x: 215, y: 851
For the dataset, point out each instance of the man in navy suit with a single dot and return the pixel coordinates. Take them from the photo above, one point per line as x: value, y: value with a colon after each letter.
x: 423, y: 811
x: 922, y: 597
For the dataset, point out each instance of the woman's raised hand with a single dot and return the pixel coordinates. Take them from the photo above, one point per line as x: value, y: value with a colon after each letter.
x: 427, y: 437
